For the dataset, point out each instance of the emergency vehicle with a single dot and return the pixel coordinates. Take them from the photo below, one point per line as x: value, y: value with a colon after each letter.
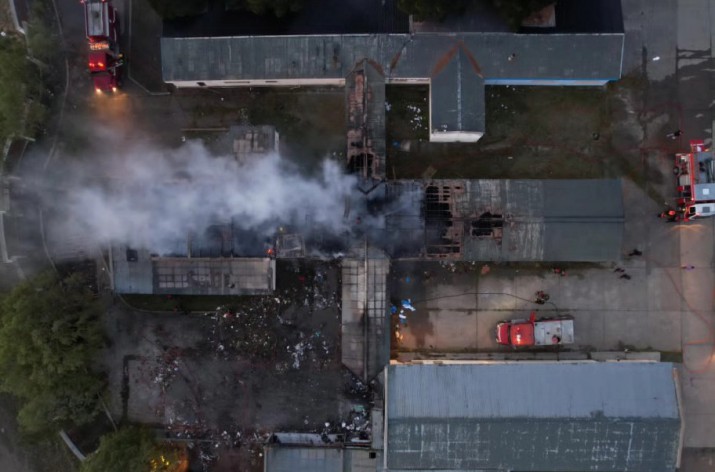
x: 101, y: 25
x: 695, y: 175
x: 535, y: 332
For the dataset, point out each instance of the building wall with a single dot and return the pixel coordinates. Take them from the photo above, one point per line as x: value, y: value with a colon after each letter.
x: 455, y: 137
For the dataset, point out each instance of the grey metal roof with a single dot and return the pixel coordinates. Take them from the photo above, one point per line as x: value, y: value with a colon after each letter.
x: 457, y: 92
x: 549, y: 56
x: 532, y: 416
x: 303, y: 459
x: 320, y: 459
x: 543, y: 220
x: 457, y: 95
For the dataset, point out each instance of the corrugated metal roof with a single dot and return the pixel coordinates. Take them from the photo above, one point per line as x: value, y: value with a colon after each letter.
x: 543, y: 220
x: 459, y: 64
x: 303, y: 459
x: 459, y: 80
x: 498, y: 55
x: 320, y: 459
x: 625, y: 390
x: 532, y: 416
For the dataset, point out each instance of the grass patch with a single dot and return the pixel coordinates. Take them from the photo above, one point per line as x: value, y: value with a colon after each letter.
x: 407, y: 112
x: 531, y: 132
x: 310, y: 121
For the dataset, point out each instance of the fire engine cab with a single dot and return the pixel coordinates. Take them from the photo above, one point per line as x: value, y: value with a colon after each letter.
x: 104, y: 62
x: 695, y: 174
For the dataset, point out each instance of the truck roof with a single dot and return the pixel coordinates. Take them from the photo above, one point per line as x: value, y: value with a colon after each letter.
x: 97, y: 19
x: 547, y: 331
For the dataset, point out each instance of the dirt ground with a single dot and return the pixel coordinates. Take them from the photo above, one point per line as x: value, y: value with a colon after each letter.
x: 224, y: 379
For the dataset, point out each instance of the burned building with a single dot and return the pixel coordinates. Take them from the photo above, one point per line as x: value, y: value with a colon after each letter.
x: 139, y: 271
x: 506, y: 220
x: 456, y: 65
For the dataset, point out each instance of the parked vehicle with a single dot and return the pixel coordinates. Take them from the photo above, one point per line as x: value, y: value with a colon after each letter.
x: 695, y: 176
x: 535, y: 332
x: 104, y: 61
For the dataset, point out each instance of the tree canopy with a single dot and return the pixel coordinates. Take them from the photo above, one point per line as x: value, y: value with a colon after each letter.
x: 50, y: 334
x: 278, y: 8
x: 172, y: 9
x: 513, y: 11
x: 432, y: 9
x: 134, y: 448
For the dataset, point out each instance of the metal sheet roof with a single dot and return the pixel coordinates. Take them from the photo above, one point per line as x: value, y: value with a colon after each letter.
x: 458, y: 64
x: 457, y: 81
x: 497, y: 55
x: 544, y: 220
x: 303, y: 459
x: 535, y: 416
x: 320, y: 459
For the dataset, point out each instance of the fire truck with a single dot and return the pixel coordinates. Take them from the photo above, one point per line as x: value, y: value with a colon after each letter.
x: 536, y: 332
x: 105, y: 61
x: 695, y: 174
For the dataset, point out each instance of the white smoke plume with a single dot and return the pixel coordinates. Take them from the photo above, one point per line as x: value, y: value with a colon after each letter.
x: 152, y: 198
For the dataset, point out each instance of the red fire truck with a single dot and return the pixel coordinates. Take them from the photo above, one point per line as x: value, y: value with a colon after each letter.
x: 695, y: 174
x: 536, y: 332
x: 105, y: 61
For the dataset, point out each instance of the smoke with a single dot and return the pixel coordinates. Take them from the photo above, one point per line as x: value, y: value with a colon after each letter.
x: 153, y: 198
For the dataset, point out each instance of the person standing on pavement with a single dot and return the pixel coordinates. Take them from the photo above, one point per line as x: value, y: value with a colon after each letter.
x: 675, y: 134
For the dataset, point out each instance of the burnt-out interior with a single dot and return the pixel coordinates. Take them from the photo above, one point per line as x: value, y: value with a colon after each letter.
x: 437, y: 212
x: 361, y: 164
x: 228, y: 240
x: 488, y: 225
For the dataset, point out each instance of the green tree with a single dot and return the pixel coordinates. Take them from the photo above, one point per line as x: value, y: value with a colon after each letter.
x: 172, y: 9
x: 278, y: 8
x: 131, y: 449
x: 50, y: 334
x: 432, y: 9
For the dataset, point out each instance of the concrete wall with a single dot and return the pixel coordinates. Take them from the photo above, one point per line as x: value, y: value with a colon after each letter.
x: 455, y: 136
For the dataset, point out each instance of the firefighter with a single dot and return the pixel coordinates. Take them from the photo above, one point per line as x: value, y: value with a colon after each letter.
x: 541, y: 297
x: 669, y: 215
